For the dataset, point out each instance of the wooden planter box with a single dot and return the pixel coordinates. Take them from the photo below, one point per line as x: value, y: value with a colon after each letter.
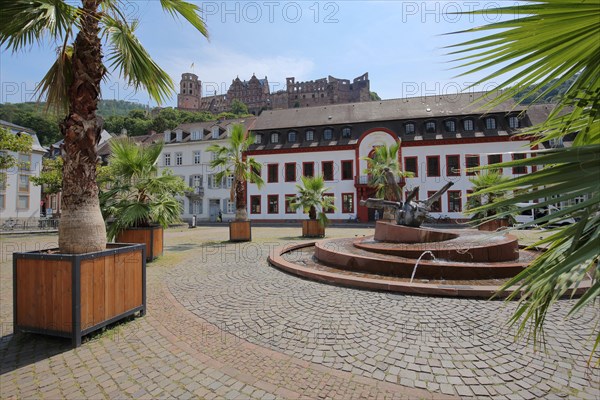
x: 71, y: 295
x: 312, y: 228
x: 152, y: 237
x: 240, y: 231
x: 493, y: 225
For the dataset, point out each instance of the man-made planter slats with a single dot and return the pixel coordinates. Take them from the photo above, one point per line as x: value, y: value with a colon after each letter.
x: 152, y: 237
x: 73, y: 295
x: 312, y: 228
x: 240, y: 231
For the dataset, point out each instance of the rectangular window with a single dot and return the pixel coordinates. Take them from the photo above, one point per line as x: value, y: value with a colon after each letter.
x: 416, y: 195
x: 273, y: 204
x: 196, y: 207
x: 433, y: 166
x: 347, y: 170
x: 272, y: 173
x: 327, y: 170
x: 329, y: 210
x: 23, y: 202
x: 24, y: 162
x: 2, y: 201
x: 254, y: 204
x: 3, y: 178
x: 520, y: 170
x: 471, y: 161
x: 411, y: 165
x: 308, y: 169
x: 195, y: 135
x: 213, y: 182
x: 229, y: 181
x: 290, y: 172
x: 288, y: 199
x: 452, y: 165
x: 494, y: 159
x: 167, y: 159
x: 178, y: 158
x: 348, y: 202
x: 436, y: 206
x: 196, y: 157
x: 24, y: 183
x: 454, y: 201
x: 230, y: 209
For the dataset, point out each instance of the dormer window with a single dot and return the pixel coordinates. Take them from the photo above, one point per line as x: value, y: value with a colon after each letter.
x: 291, y: 136
x: 215, y: 132
x: 450, y: 126
x: 274, y: 137
x: 258, y: 139
x: 468, y: 125
x: 346, y: 132
x: 196, y: 135
x: 490, y: 123
x: 409, y: 128
x: 310, y: 135
x: 430, y: 127
x: 513, y: 122
x: 229, y: 130
x: 327, y: 134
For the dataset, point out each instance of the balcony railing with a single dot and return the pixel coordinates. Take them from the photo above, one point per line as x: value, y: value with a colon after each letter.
x: 195, y: 192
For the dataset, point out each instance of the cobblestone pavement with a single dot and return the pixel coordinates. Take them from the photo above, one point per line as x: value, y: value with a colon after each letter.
x: 223, y: 324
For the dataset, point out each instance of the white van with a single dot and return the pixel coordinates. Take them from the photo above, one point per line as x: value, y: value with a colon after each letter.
x: 526, y: 216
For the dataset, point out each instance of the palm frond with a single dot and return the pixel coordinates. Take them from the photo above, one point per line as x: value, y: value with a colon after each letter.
x: 127, y: 55
x: 54, y: 85
x: 190, y: 12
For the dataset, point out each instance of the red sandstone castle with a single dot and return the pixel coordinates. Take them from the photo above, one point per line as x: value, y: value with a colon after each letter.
x: 255, y: 93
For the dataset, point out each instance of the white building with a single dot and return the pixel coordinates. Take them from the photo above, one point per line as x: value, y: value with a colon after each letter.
x: 19, y: 198
x: 440, y: 136
x: 185, y: 153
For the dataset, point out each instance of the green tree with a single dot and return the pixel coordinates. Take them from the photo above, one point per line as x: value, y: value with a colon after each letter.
x: 72, y: 85
x: 136, y: 194
x: 483, y: 181
x: 238, y: 107
x: 374, y: 96
x: 18, y: 143
x: 311, y: 198
x: 547, y: 44
x: 231, y: 161
x: 50, y: 177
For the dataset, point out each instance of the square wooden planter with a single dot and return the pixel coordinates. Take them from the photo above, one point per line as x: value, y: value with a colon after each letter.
x: 152, y: 237
x: 240, y: 231
x: 71, y: 295
x: 312, y: 228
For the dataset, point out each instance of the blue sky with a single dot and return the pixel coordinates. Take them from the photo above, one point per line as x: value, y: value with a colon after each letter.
x: 400, y: 43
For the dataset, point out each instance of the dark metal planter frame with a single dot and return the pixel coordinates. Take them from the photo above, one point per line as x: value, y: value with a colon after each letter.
x: 76, y: 332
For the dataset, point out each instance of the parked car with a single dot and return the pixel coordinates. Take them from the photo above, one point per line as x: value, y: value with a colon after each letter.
x: 525, y: 216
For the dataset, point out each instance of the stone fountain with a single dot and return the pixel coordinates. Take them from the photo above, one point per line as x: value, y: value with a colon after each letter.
x: 402, y: 256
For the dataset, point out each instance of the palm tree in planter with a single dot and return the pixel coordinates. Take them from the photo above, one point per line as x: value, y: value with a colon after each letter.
x: 231, y: 161
x: 382, y: 166
x: 139, y: 202
x: 486, y: 218
x: 72, y: 86
x: 311, y: 198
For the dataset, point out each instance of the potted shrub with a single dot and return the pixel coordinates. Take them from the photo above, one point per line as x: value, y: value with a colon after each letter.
x: 230, y: 159
x: 137, y: 200
x: 312, y: 201
x: 82, y: 285
x: 485, y: 219
x: 382, y: 168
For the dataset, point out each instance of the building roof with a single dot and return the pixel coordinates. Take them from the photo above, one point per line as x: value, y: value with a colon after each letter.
x: 384, y: 110
x: 14, y: 128
x: 207, y: 126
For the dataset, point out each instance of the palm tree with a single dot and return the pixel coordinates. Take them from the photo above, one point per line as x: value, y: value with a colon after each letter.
x: 548, y: 43
x: 311, y: 198
x: 136, y: 194
x: 483, y: 181
x: 231, y: 161
x: 383, y: 167
x: 72, y: 85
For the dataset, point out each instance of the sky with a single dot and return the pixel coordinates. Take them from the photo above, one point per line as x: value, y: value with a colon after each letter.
x: 401, y: 44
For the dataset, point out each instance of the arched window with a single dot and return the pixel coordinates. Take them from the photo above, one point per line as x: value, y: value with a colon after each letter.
x: 309, y: 135
x: 292, y: 136
x: 274, y: 137
x: 346, y: 132
x: 513, y: 122
x: 468, y: 125
x: 490, y: 123
x: 258, y: 139
x: 430, y: 127
x: 409, y: 128
x: 450, y: 125
x: 327, y: 134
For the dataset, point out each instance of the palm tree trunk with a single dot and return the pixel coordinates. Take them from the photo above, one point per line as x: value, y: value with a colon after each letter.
x: 81, y: 226
x: 241, y: 214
